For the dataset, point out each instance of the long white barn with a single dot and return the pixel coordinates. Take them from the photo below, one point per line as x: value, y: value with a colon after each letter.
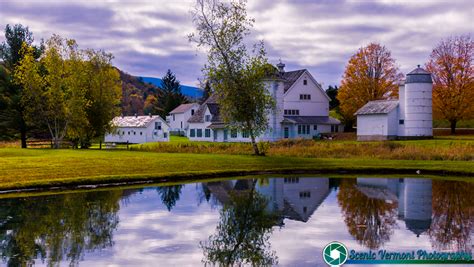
x: 302, y: 111
x: 138, y: 129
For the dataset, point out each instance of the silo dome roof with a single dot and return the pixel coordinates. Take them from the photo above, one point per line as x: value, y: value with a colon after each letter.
x: 418, y: 75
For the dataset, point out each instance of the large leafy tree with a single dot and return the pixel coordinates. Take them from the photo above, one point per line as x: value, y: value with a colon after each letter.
x: 12, y: 112
x: 236, y: 72
x: 171, y: 95
x: 371, y: 74
x: 103, y: 94
x: 451, y: 64
x: 74, y: 93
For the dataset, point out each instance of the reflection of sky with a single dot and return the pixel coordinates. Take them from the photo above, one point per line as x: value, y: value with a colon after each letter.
x: 149, y: 235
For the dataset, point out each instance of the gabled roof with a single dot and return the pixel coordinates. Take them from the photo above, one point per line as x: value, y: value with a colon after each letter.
x: 182, y: 108
x: 310, y: 120
x: 291, y: 77
x: 135, y: 121
x: 210, y: 103
x: 378, y: 107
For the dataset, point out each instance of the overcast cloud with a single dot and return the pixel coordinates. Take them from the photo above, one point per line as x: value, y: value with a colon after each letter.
x: 149, y: 36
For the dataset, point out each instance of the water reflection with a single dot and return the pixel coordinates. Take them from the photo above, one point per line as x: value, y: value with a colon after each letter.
x: 260, y: 221
x: 243, y: 231
x: 57, y: 228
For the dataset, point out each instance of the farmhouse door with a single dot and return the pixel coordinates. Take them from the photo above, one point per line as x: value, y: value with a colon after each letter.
x: 225, y: 135
x: 214, y: 133
x: 287, y: 132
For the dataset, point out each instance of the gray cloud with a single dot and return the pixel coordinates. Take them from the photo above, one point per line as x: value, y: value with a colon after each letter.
x: 148, y: 37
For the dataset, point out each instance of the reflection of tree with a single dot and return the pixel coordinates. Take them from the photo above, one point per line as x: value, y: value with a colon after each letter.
x: 60, y: 227
x: 242, y: 233
x: 169, y: 195
x: 370, y: 221
x: 453, y: 214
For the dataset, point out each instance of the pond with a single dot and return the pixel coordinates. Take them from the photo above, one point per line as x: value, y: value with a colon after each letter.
x: 259, y: 220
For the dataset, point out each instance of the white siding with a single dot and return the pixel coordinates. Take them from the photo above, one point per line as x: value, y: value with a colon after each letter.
x: 179, y: 121
x: 135, y: 135
x: 317, y: 106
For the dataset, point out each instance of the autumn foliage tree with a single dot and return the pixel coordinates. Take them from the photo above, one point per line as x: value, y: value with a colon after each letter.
x: 371, y: 74
x: 453, y: 79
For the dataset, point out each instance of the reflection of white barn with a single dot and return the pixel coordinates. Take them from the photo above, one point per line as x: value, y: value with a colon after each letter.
x: 293, y: 197
x: 414, y: 196
x: 296, y: 198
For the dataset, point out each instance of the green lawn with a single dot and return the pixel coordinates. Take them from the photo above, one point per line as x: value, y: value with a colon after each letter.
x: 46, y: 167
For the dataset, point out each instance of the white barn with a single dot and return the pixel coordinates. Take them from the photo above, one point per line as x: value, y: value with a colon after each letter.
x: 138, y: 129
x: 178, y: 118
x: 409, y: 117
x: 302, y: 111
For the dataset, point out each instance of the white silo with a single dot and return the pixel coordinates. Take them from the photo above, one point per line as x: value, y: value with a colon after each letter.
x: 418, y: 104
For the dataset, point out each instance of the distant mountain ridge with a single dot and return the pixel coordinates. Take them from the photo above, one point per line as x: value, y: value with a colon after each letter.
x: 189, y: 91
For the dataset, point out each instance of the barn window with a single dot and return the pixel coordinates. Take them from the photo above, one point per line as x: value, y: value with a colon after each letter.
x: 233, y: 133
x: 208, y: 118
x: 207, y: 133
x: 199, y: 132
x: 309, y: 97
x: 315, y: 127
x: 141, y: 133
x: 305, y: 194
x: 297, y: 112
x: 192, y: 133
x: 305, y: 82
x: 245, y: 134
x: 174, y: 118
x: 401, y: 122
x: 157, y: 125
x: 165, y: 135
x: 128, y: 132
x: 192, y: 112
x: 134, y: 133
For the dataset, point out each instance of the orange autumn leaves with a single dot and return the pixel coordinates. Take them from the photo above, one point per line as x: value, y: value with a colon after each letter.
x: 453, y: 79
x: 371, y: 74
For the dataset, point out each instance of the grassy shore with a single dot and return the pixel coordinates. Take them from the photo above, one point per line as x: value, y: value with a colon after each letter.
x: 440, y: 148
x: 24, y: 168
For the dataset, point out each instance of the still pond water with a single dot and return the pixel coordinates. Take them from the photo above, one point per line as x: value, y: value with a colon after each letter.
x: 276, y: 221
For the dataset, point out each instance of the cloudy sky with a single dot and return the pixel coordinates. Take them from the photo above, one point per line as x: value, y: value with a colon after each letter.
x: 149, y: 36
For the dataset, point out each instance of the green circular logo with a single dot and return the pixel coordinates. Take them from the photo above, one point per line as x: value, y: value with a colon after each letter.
x: 335, y: 254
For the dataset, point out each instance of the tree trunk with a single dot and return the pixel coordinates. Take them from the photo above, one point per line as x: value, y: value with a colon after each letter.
x: 22, y: 131
x: 254, y: 145
x: 100, y: 144
x: 453, y: 126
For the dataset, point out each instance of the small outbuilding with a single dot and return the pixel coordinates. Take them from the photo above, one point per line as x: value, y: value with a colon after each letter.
x: 138, y: 129
x: 377, y: 120
x: 178, y: 118
x: 409, y: 117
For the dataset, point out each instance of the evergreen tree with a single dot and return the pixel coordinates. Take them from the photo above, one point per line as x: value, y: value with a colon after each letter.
x: 207, y: 92
x: 171, y: 94
x: 13, y: 112
x: 332, y: 93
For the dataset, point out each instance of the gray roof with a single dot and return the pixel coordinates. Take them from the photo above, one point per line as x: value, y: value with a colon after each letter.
x: 134, y: 121
x: 210, y: 103
x: 378, y: 107
x: 290, y: 77
x: 182, y: 108
x: 310, y: 120
x: 419, y: 75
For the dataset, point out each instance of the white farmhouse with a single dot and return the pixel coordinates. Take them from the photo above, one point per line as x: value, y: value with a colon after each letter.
x: 178, y: 118
x: 138, y: 129
x: 410, y: 117
x: 302, y: 111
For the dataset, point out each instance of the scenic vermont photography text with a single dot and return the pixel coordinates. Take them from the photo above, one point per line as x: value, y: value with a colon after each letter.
x: 295, y: 133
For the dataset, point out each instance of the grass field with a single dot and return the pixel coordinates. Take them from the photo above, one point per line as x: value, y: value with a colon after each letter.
x: 23, y: 168
x: 440, y: 148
